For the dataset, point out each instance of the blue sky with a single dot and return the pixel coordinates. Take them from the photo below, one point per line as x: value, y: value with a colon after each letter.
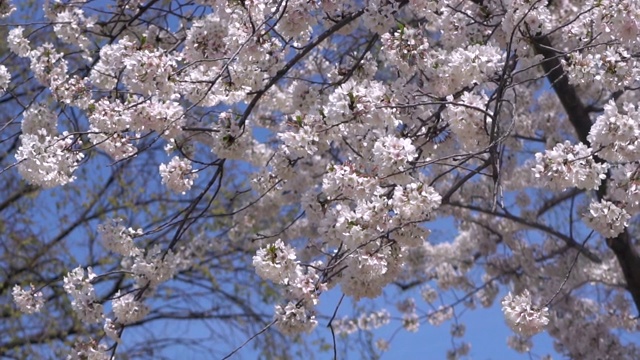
x: 486, y: 331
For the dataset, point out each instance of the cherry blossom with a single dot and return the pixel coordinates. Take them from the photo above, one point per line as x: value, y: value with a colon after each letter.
x: 48, y: 161
x: 17, y: 42
x: 29, y: 301
x: 606, y: 218
x: 85, y: 302
x: 294, y: 319
x: 523, y: 316
x: 117, y: 238
x: 567, y: 165
x: 276, y: 262
x: 127, y: 309
x: 5, y: 78
x: 177, y: 175
x: 416, y: 158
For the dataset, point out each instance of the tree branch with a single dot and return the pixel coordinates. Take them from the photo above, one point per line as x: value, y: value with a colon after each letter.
x: 578, y: 115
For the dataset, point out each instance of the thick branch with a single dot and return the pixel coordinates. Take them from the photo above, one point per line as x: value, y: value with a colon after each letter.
x: 567, y: 94
x: 578, y: 115
x: 629, y: 260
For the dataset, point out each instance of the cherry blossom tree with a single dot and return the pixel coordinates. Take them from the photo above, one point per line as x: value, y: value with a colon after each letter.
x: 232, y: 163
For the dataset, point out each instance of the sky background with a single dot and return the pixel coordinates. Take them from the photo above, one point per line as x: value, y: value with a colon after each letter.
x: 486, y: 331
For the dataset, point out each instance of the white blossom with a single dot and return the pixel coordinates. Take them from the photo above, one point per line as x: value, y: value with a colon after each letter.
x: 5, y: 79
x: 127, y: 309
x: 48, y: 65
x: 70, y: 25
x: 374, y: 320
x: 429, y: 294
x: 606, y: 218
x: 117, y: 238
x: 38, y: 117
x: 442, y: 314
x: 177, y: 174
x: 344, y: 326
x: 520, y: 344
x: 569, y: 165
x: 85, y: 302
x: 616, y: 135
x: 293, y: 319
x: 276, y: 262
x: 18, y: 44
x: 29, y: 301
x: 111, y: 330
x: 522, y: 316
x: 390, y: 151
x: 469, y: 121
x: 382, y: 345
x: 155, y: 267
x: 339, y: 144
x: 415, y: 202
x: 47, y: 160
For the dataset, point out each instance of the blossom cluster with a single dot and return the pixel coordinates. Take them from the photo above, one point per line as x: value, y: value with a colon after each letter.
x: 606, y: 218
x: 277, y: 263
x: 569, y: 165
x: 468, y: 120
x: 522, y: 316
x: 366, y: 321
x: 177, y: 175
x: 616, y: 135
x: 117, y: 238
x: 29, y: 301
x: 48, y: 161
x: 127, y: 309
x: 86, y: 304
x: 5, y: 79
x: 626, y: 188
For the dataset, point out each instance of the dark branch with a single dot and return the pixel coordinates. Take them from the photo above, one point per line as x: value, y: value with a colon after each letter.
x: 578, y: 115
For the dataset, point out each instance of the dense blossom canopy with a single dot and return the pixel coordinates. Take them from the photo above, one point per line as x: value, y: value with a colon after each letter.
x: 229, y: 157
